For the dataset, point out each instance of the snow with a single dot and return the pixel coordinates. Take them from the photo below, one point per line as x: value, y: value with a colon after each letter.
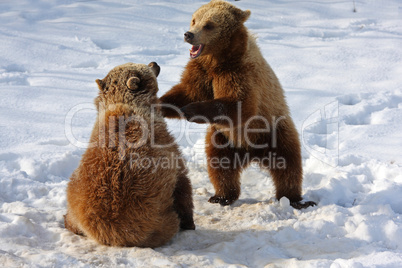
x: 341, y: 71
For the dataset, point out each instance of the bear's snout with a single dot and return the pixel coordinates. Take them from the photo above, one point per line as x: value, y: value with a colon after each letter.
x: 188, y: 36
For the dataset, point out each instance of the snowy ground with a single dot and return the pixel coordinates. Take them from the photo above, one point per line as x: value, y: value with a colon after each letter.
x: 342, y: 74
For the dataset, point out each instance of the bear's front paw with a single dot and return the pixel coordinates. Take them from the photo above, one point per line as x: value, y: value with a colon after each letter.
x: 299, y: 205
x: 221, y: 200
x: 193, y: 112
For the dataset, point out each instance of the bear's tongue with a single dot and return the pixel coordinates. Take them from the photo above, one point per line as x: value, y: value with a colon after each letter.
x: 195, y: 51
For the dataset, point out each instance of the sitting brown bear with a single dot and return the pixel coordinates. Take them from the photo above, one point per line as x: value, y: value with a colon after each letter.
x: 131, y: 187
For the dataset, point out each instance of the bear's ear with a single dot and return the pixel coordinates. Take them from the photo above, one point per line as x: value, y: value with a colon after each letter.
x: 241, y: 15
x: 155, y: 68
x: 132, y: 83
x: 100, y: 83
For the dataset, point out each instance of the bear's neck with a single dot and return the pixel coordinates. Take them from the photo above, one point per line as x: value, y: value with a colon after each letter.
x: 230, y: 54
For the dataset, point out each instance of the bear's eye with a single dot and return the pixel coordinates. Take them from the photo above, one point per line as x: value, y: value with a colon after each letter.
x: 208, y: 26
x: 193, y: 22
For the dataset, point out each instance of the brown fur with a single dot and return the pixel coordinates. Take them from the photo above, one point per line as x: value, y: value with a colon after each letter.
x: 113, y: 199
x: 230, y: 78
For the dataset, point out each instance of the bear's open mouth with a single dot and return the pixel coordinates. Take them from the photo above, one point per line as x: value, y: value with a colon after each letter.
x: 195, y: 51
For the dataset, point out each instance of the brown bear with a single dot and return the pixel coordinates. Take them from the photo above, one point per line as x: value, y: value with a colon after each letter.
x: 228, y: 84
x: 131, y: 186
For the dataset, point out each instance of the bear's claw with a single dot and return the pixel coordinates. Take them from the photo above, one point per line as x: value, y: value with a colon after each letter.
x: 299, y: 205
x: 221, y: 200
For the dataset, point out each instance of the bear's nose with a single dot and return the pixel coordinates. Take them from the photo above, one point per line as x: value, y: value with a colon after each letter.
x: 188, y: 36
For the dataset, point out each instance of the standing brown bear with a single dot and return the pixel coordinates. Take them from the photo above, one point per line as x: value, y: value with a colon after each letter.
x: 131, y: 187
x: 228, y: 84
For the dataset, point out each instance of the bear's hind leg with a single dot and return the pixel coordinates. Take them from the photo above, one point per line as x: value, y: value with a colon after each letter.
x: 288, y: 177
x: 224, y: 168
x: 183, y: 200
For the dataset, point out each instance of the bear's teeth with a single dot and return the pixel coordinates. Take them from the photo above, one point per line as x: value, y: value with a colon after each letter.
x: 195, y: 51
